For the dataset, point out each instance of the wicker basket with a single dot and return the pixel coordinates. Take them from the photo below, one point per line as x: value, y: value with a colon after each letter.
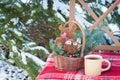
x: 69, y: 63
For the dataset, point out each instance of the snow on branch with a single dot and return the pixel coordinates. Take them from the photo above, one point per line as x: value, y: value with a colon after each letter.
x: 40, y: 48
x: 35, y: 59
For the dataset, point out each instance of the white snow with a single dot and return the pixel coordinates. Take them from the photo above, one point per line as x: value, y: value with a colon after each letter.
x: 14, y: 49
x: 30, y: 44
x: 22, y: 27
x: 40, y: 48
x: 9, y: 72
x: 2, y: 76
x: 29, y: 21
x: 118, y: 9
x: 6, y: 26
x: 2, y: 16
x: 25, y: 1
x: 11, y: 54
x: 17, y: 32
x: 103, y: 8
x: 14, y: 20
x: 81, y: 20
x: 103, y: 1
x: 24, y: 54
x: 18, y: 4
x: 4, y: 36
x: 11, y: 61
x: 32, y: 12
x: 23, y: 57
x: 61, y: 6
x: 79, y: 9
x: 80, y: 16
x: 13, y: 41
x: 35, y: 59
x: 50, y: 19
x: 3, y: 56
x: 44, y: 2
x: 108, y: 38
x: 110, y: 1
x: 113, y: 27
x: 60, y: 16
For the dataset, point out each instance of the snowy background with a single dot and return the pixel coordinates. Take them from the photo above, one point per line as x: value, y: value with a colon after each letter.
x: 14, y: 73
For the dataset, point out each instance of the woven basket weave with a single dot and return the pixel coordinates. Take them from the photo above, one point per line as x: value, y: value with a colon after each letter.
x: 68, y: 63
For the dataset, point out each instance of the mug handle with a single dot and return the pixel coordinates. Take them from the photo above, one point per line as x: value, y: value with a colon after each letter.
x: 108, y: 67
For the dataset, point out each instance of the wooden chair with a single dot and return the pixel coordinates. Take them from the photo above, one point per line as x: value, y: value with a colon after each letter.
x: 98, y: 21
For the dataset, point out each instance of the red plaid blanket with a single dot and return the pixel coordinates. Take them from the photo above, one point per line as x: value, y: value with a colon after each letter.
x: 50, y: 73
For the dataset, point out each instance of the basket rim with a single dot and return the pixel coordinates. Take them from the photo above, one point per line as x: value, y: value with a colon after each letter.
x: 83, y: 34
x: 68, y: 63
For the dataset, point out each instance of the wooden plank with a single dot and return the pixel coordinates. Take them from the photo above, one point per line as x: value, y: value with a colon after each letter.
x: 111, y: 36
x: 71, y: 14
x: 96, y: 18
x: 88, y: 9
x: 72, y: 8
x: 104, y: 15
x: 107, y: 47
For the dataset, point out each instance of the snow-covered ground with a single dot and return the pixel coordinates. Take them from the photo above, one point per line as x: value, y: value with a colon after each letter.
x: 9, y: 72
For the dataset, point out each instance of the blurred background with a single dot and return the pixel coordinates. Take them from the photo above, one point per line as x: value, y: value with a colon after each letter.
x: 26, y: 26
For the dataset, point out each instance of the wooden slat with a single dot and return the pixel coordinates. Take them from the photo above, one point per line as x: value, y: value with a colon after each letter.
x: 104, y: 15
x: 88, y: 9
x: 111, y: 36
x: 71, y: 14
x: 98, y: 21
x: 107, y: 47
x: 72, y: 8
x: 96, y: 18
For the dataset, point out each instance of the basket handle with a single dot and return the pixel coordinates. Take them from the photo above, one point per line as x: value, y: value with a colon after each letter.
x: 83, y: 34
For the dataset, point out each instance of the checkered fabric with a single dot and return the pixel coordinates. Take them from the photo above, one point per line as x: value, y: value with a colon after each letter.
x: 50, y: 73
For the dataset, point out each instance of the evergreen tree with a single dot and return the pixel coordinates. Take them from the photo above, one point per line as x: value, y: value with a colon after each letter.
x: 14, y: 40
x: 22, y: 24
